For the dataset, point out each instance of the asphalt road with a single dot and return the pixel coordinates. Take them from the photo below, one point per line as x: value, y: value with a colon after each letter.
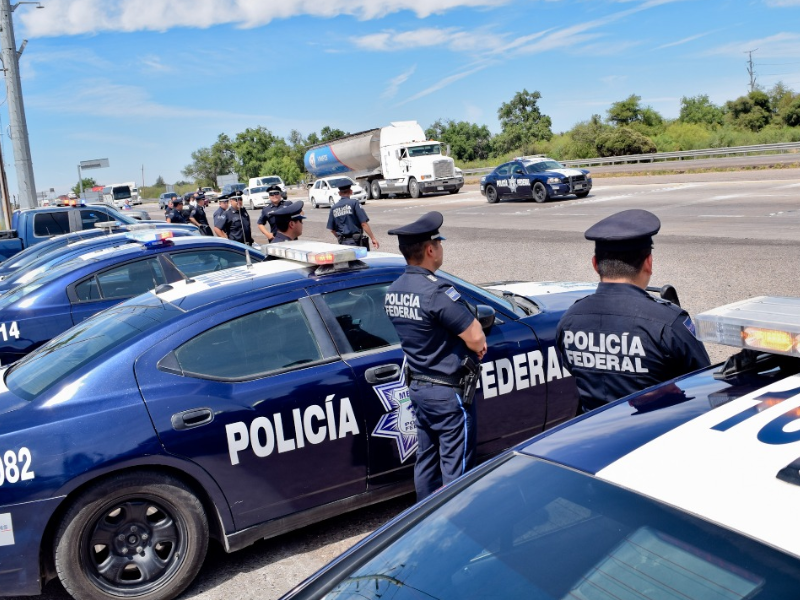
x: 724, y: 237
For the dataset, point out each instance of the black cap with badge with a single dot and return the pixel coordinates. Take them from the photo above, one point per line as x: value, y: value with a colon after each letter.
x: 290, y: 211
x: 346, y: 187
x: 423, y: 229
x: 273, y: 189
x: 624, y: 231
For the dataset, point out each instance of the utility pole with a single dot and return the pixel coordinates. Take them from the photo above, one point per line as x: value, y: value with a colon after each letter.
x: 16, y: 110
x: 142, y: 176
x: 751, y: 69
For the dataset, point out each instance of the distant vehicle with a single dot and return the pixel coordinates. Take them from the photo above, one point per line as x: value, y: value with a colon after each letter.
x: 325, y: 191
x: 231, y: 189
x: 267, y: 181
x: 255, y: 197
x: 535, y: 177
x: 135, y: 199
x: 210, y: 193
x: 398, y: 159
x: 116, y: 194
x: 138, y: 214
x: 165, y: 198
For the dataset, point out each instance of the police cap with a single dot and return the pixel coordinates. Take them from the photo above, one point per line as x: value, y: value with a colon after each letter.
x: 290, y: 211
x: 177, y: 200
x: 274, y: 189
x: 624, y: 231
x: 423, y: 229
x: 346, y: 187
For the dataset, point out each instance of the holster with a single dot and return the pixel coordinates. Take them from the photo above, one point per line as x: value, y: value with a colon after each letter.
x: 469, y: 382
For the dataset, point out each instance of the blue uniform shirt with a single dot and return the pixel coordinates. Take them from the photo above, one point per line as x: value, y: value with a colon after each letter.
x: 219, y: 217
x: 346, y: 217
x: 267, y: 217
x: 428, y: 317
x: 236, y: 225
x: 621, y: 340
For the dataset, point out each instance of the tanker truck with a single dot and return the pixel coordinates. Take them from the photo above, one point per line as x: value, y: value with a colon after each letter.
x: 397, y: 159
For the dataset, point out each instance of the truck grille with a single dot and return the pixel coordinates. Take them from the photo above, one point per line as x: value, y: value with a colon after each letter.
x: 442, y: 169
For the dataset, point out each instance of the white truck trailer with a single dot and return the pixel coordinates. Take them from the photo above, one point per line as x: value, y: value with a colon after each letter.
x: 397, y: 159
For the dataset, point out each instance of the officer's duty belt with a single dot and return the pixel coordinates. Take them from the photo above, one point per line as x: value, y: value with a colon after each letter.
x: 439, y: 379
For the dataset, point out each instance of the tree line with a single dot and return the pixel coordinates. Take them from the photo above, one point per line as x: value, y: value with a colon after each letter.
x: 759, y: 117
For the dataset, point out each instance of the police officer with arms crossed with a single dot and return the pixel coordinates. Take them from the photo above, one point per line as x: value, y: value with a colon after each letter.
x: 218, y: 218
x: 197, y: 216
x: 276, y: 201
x: 347, y: 221
x: 236, y: 223
x: 621, y: 340
x: 437, y: 333
x: 289, y: 222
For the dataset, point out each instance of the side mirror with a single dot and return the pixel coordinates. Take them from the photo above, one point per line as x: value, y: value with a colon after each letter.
x: 447, y: 153
x: 485, y: 315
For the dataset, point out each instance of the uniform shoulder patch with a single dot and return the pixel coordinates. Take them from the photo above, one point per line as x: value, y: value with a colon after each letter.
x: 432, y: 278
x: 452, y: 293
x: 690, y: 326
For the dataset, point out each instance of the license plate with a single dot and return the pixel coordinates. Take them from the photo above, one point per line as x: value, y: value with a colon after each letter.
x: 439, y: 187
x: 579, y: 186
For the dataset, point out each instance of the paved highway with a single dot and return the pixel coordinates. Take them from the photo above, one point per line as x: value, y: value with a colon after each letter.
x: 724, y: 237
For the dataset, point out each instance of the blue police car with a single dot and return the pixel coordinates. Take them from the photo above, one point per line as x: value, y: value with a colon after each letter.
x: 236, y: 406
x: 54, y: 299
x: 687, y: 490
x: 537, y: 178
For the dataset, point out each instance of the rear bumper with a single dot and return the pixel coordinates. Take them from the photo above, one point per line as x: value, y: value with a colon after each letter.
x: 21, y: 530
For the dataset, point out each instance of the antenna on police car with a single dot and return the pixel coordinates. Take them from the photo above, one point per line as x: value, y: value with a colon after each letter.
x: 247, y: 258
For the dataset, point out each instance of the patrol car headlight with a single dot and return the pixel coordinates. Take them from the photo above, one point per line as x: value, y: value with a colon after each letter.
x: 554, y: 181
x: 588, y: 174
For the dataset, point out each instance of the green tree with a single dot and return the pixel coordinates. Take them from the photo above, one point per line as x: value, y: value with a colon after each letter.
x: 791, y: 115
x: 250, y: 147
x: 751, y: 111
x: 700, y: 111
x: 522, y: 123
x: 584, y: 137
x: 88, y: 183
x: 626, y: 111
x: 622, y: 141
x: 209, y: 163
x: 326, y: 134
x: 160, y: 181
x: 468, y: 141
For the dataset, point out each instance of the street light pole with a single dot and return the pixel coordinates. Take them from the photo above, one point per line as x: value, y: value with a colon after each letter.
x: 16, y: 109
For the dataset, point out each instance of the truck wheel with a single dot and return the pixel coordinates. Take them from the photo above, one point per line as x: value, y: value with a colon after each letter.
x: 141, y: 535
x: 367, y: 189
x: 491, y: 195
x: 376, y: 189
x: 539, y: 192
x: 413, y: 188
x: 314, y: 202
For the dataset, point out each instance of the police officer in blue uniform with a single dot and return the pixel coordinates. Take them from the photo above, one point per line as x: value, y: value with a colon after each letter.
x: 289, y: 222
x: 218, y: 218
x: 197, y: 215
x: 267, y: 218
x: 437, y: 332
x: 348, y: 221
x: 621, y: 339
x: 177, y: 215
x: 236, y: 223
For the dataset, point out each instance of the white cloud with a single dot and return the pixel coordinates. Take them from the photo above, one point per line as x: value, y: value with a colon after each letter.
x: 685, y: 40
x: 153, y: 63
x: 782, y: 3
x: 72, y: 17
x: 396, y: 82
x: 443, y: 83
x: 478, y: 41
x: 780, y: 45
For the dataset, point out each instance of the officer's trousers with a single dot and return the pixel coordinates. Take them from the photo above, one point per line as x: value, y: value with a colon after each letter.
x: 446, y: 436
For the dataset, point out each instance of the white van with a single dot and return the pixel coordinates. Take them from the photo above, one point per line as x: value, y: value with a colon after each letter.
x: 268, y: 180
x: 116, y: 194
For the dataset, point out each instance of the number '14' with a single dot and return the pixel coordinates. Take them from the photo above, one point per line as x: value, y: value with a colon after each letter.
x: 9, y: 331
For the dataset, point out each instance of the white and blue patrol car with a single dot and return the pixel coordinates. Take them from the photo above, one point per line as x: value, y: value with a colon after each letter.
x: 535, y: 178
x: 238, y: 405
x: 687, y: 490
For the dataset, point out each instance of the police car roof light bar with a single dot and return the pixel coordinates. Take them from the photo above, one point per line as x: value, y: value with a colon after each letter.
x: 151, y: 239
x: 765, y: 324
x: 316, y: 253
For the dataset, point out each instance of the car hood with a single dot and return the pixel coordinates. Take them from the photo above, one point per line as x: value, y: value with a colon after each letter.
x: 565, y: 172
x: 548, y: 295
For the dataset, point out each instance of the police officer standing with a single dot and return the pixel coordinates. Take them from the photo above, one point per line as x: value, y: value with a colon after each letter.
x: 197, y: 215
x: 621, y: 339
x: 176, y: 215
x: 276, y: 201
x: 348, y: 221
x: 289, y: 222
x: 218, y: 218
x: 437, y: 333
x: 236, y: 223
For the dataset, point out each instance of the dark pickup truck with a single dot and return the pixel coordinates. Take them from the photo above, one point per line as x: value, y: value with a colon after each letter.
x: 30, y: 226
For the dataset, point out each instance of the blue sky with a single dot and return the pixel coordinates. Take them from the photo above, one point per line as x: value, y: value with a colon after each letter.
x: 145, y: 82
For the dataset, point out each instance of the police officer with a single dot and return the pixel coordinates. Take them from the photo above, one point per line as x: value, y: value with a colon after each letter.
x: 266, y: 217
x: 289, y: 222
x: 236, y: 223
x: 436, y: 333
x: 218, y: 218
x: 197, y: 215
x: 176, y: 215
x: 621, y: 339
x: 348, y: 221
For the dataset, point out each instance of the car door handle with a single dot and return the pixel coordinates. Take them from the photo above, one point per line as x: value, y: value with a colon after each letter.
x: 192, y: 418
x: 382, y: 373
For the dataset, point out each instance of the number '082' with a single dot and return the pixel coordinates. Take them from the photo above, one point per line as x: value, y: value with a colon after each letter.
x: 16, y: 466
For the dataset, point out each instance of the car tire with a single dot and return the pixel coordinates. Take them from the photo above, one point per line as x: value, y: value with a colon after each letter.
x: 455, y: 191
x: 376, y: 189
x: 367, y: 189
x: 581, y: 194
x: 492, y: 196
x: 413, y: 188
x: 252, y: 205
x: 330, y: 201
x: 539, y: 192
x: 314, y: 202
x: 157, y: 518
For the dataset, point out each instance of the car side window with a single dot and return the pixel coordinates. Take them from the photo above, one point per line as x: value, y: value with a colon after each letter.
x: 197, y: 262
x: 256, y: 345
x: 51, y: 223
x: 90, y: 216
x: 517, y: 168
x: 502, y: 170
x: 125, y: 281
x: 360, y: 314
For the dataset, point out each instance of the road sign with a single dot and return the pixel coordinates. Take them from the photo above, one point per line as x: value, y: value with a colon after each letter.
x: 99, y: 163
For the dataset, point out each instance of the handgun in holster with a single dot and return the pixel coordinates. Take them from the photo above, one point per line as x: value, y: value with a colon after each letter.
x: 469, y: 381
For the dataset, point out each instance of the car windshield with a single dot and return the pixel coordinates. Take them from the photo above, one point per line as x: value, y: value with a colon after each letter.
x: 106, y: 331
x: 534, y: 530
x: 121, y: 193
x: 259, y: 189
x: 479, y: 292
x: 545, y: 165
x: 339, y: 181
x: 425, y: 150
x: 267, y: 181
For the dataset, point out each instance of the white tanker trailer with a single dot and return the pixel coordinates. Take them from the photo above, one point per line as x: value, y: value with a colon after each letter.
x: 397, y: 159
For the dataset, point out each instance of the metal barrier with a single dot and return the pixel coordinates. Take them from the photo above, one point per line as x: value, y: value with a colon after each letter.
x: 665, y: 156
